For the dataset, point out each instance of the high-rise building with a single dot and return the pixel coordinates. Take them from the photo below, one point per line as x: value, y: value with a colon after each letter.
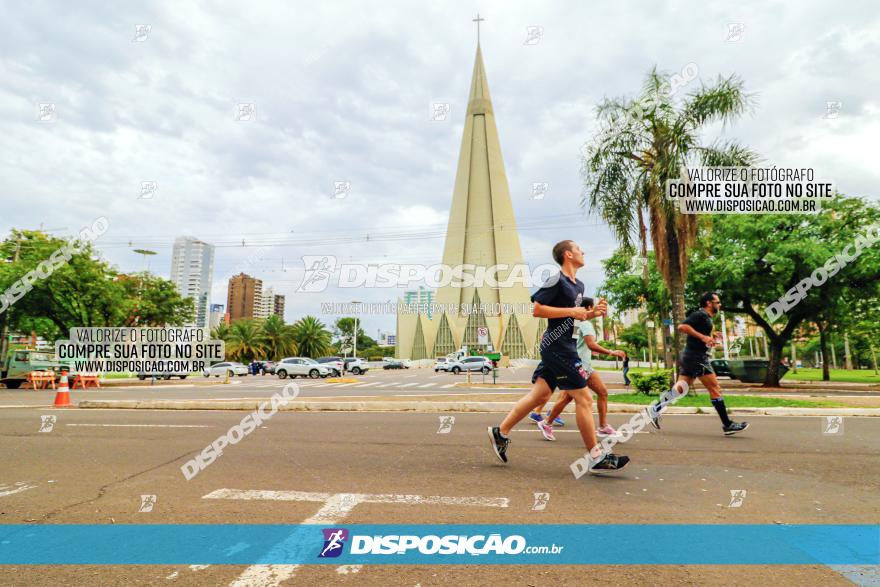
x: 421, y: 298
x: 481, y: 233
x: 278, y: 304
x: 266, y: 303
x: 271, y: 304
x: 192, y: 269
x: 218, y: 316
x: 244, y: 298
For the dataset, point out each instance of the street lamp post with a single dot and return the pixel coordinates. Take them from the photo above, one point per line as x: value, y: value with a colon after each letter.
x: 355, y: 336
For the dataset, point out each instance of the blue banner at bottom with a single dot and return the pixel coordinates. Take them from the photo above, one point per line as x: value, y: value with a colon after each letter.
x: 370, y: 544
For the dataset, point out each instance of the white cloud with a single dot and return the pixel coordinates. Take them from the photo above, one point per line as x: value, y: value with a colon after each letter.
x: 342, y: 93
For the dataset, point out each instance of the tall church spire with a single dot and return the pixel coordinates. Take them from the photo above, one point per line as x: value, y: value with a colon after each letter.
x: 482, y: 227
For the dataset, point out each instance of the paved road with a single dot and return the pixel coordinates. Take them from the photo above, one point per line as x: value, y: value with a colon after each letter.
x: 94, y: 466
x: 376, y: 383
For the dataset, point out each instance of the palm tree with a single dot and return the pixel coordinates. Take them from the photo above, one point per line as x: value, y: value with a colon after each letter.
x: 311, y: 337
x: 626, y: 168
x: 246, y: 340
x: 221, y: 332
x: 280, y: 339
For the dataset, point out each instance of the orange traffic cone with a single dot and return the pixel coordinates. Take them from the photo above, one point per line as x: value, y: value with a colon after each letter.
x: 62, y: 396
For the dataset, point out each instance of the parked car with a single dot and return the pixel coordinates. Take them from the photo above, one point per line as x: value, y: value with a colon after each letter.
x: 355, y: 365
x: 158, y: 375
x: 301, y: 367
x: 441, y: 364
x: 481, y: 364
x: 267, y: 367
x: 336, y: 364
x: 394, y: 364
x: 232, y: 368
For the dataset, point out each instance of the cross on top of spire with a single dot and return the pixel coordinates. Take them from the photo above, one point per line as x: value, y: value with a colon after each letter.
x: 478, y: 20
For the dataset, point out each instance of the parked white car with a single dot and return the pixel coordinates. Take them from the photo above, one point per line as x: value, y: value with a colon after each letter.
x: 481, y: 364
x: 441, y: 364
x: 230, y: 367
x: 301, y: 367
x: 356, y: 366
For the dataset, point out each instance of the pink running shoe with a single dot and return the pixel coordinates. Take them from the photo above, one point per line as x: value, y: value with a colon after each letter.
x: 606, y: 430
x: 546, y: 430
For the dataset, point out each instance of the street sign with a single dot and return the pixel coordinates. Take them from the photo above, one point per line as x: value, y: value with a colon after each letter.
x: 667, y: 322
x: 649, y: 324
x: 482, y: 335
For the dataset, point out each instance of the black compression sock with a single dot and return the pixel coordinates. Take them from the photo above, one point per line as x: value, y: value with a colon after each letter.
x: 718, y: 404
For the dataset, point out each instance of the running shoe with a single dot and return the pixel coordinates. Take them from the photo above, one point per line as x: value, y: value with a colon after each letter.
x: 606, y: 430
x: 546, y: 430
x: 610, y: 462
x: 536, y: 418
x: 557, y: 421
x: 499, y: 443
x: 735, y: 427
x: 653, y: 417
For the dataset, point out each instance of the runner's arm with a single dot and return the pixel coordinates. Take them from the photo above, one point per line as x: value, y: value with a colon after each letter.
x: 542, y: 311
x: 689, y: 330
x: 594, y: 346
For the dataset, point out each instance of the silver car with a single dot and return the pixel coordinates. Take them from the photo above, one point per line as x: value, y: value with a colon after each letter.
x: 481, y: 364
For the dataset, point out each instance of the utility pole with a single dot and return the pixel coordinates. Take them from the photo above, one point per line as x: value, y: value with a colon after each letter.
x: 848, y: 359
x: 4, y: 333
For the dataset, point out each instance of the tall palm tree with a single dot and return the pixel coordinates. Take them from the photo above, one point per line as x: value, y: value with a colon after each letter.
x: 628, y: 163
x: 279, y: 337
x: 312, y: 338
x: 246, y: 340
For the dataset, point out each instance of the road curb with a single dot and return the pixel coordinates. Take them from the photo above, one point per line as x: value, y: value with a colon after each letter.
x: 431, y: 407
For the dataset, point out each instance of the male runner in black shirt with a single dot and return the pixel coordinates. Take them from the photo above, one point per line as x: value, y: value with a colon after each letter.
x: 559, y: 300
x: 694, y: 360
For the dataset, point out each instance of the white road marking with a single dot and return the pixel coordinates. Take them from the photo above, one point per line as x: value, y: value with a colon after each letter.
x: 336, y: 507
x: 256, y: 494
x: 427, y: 385
x: 143, y: 425
x: 13, y: 489
x: 368, y: 384
x: 409, y: 384
x: 448, y: 386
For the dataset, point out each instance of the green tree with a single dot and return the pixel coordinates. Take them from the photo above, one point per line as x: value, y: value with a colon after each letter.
x: 153, y: 301
x: 752, y: 261
x: 84, y: 291
x: 625, y: 289
x: 645, y: 142
x: 246, y: 341
x: 280, y: 338
x: 311, y: 336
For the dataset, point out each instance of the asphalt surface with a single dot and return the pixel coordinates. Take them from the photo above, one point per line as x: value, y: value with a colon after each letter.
x: 94, y: 466
x: 398, y: 383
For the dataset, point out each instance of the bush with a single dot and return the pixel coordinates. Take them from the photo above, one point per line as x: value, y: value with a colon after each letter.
x: 652, y: 382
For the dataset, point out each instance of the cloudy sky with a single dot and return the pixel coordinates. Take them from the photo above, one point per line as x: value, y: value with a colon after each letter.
x: 342, y: 92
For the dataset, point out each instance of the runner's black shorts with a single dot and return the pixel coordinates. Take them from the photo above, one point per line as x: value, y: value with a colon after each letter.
x: 694, y: 365
x: 562, y: 369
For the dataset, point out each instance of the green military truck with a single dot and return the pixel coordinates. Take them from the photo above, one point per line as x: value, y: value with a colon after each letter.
x: 18, y: 363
